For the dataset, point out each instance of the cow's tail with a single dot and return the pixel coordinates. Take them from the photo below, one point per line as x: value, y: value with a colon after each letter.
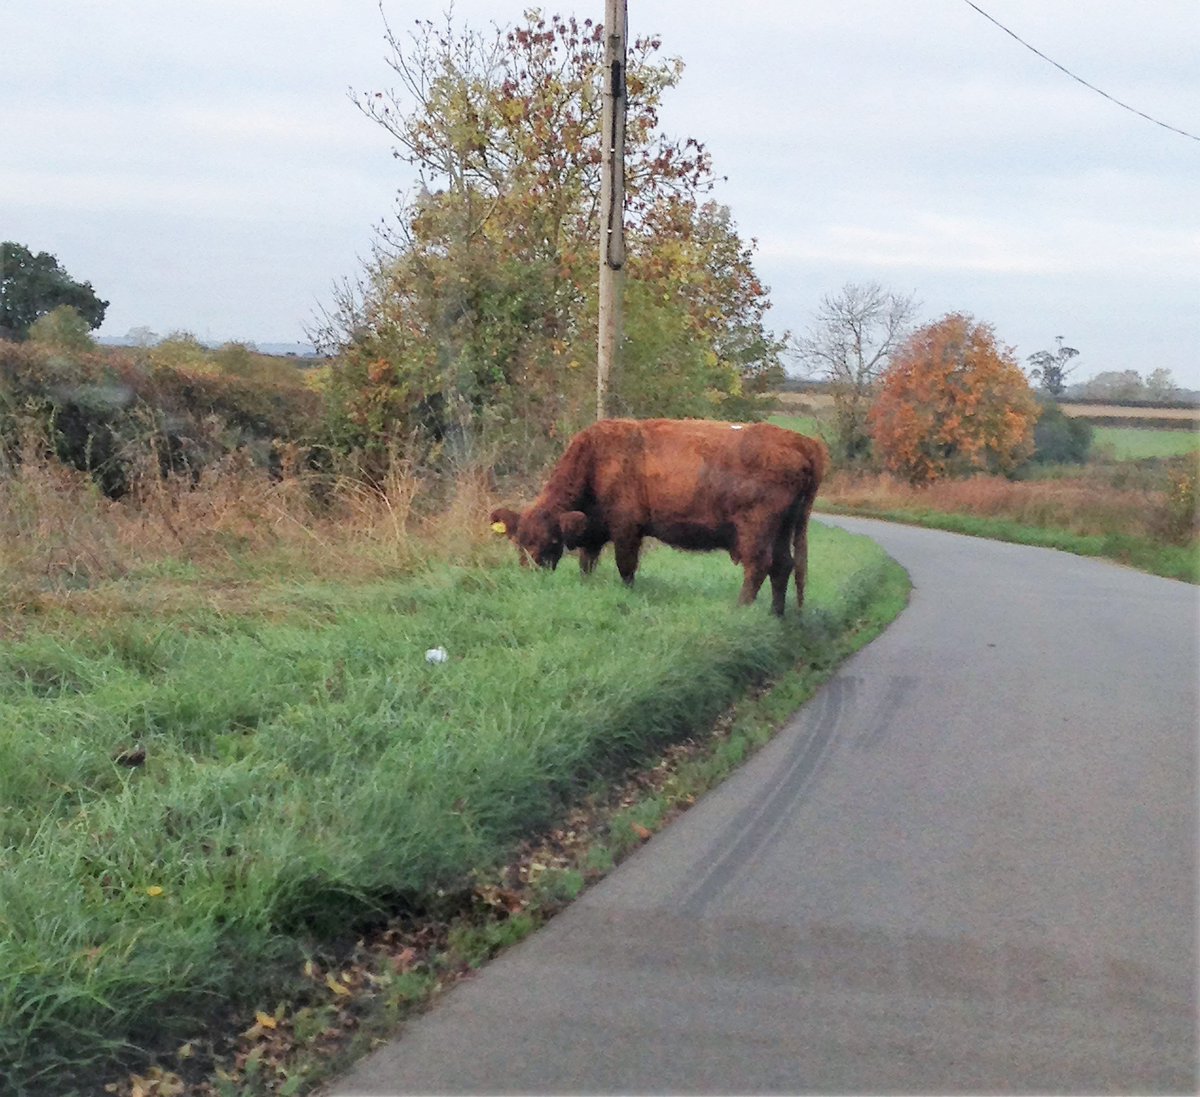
x: 814, y: 472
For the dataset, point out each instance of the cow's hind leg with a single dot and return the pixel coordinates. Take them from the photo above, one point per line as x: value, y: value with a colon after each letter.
x: 781, y: 571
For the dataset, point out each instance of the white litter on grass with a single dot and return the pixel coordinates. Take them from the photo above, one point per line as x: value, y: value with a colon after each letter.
x: 436, y: 655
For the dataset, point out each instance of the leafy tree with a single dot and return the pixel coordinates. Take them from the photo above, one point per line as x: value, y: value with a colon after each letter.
x: 33, y: 285
x: 1050, y: 367
x: 688, y: 255
x: 142, y: 336
x: 1115, y: 385
x: 62, y: 329
x: 477, y: 313
x: 1129, y: 386
x: 1160, y: 385
x: 952, y: 402
x: 849, y: 345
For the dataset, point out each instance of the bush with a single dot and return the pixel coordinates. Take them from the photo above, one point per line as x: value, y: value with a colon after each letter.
x: 1180, y: 520
x: 1060, y: 440
x: 105, y: 413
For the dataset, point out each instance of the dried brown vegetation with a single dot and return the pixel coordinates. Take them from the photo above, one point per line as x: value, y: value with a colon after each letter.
x: 1083, y: 505
x: 233, y: 521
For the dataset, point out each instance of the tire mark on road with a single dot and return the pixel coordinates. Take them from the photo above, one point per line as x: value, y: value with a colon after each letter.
x: 899, y: 689
x: 756, y: 825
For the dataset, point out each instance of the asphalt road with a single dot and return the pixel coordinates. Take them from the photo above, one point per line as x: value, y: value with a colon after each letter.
x: 968, y: 865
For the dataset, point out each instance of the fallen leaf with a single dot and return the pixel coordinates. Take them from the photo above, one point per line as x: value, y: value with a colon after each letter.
x: 265, y: 1019
x: 404, y: 960
x: 170, y: 1085
x: 642, y: 832
x: 339, y: 989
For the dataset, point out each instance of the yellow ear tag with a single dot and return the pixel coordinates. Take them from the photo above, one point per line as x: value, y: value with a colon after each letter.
x: 499, y: 527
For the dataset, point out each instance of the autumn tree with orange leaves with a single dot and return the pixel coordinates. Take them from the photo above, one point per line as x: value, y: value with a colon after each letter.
x: 953, y: 401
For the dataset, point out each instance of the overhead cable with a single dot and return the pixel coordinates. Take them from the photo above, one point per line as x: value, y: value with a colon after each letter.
x: 1080, y: 79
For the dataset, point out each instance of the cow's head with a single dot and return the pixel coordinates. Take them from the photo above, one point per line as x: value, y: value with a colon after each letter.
x: 540, y: 535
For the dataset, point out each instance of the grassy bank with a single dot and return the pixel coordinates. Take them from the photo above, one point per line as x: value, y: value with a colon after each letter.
x: 201, y: 793
x: 1169, y: 561
x: 1140, y: 524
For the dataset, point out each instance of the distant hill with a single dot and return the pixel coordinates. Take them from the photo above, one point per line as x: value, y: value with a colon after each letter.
x: 280, y: 350
x: 298, y: 350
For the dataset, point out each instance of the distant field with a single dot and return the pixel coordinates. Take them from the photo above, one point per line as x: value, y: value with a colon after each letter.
x: 1135, y: 443
x: 1185, y: 416
x: 804, y: 424
x: 790, y: 401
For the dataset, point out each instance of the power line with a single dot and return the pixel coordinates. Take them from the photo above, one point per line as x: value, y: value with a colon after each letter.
x: 1092, y: 87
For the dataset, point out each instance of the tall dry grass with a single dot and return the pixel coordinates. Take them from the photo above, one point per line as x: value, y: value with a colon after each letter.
x: 233, y: 520
x: 1088, y: 505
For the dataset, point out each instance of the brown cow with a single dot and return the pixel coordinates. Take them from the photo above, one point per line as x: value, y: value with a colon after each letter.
x: 691, y: 483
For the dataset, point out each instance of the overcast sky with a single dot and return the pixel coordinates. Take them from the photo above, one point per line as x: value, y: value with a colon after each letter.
x: 203, y: 167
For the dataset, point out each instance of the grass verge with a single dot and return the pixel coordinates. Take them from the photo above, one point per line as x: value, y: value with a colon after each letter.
x: 200, y: 809
x: 398, y: 970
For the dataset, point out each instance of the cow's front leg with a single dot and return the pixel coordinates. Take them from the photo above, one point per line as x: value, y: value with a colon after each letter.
x: 755, y: 571
x: 627, y: 549
x: 587, y: 560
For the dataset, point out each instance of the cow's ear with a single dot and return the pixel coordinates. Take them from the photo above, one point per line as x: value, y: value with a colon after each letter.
x: 573, y: 524
x: 505, y: 521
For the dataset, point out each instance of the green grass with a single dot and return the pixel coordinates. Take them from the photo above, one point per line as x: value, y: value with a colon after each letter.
x: 306, y: 770
x: 805, y: 424
x: 1138, y: 443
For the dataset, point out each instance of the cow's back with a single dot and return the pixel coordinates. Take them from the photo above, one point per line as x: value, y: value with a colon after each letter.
x: 698, y: 472
x: 759, y: 452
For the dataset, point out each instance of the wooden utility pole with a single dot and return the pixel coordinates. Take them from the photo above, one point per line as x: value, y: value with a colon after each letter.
x: 612, y: 199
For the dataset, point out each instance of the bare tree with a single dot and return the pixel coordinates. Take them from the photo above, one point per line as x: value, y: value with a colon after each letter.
x: 848, y: 346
